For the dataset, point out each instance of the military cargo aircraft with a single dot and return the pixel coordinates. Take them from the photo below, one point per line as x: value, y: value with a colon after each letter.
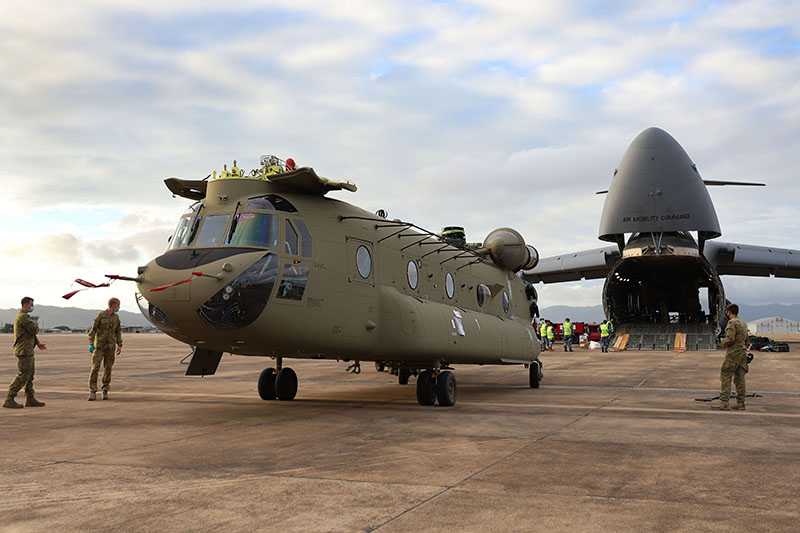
x: 265, y: 264
x: 662, y: 274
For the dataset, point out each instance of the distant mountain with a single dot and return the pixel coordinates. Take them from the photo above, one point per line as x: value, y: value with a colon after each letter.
x: 557, y: 313
x: 747, y: 312
x: 51, y: 316
x: 753, y: 312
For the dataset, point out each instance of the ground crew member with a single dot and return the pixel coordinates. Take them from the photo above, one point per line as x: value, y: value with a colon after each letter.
x: 105, y: 342
x: 567, y: 330
x: 735, y: 363
x: 605, y: 336
x: 25, y: 339
x: 543, y: 332
x: 551, y: 335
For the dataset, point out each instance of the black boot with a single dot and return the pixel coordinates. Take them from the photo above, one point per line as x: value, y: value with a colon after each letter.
x: 31, y: 401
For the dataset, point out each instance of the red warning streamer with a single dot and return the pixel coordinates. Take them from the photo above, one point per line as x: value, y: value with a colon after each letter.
x: 180, y: 282
x: 87, y: 285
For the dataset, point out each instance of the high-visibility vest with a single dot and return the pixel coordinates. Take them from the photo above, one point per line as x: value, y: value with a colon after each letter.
x: 551, y: 333
x: 567, y: 329
x: 604, y: 329
x: 543, y: 330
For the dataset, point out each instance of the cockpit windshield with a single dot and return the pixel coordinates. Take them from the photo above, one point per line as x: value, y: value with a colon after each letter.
x: 254, y: 229
x: 212, y: 231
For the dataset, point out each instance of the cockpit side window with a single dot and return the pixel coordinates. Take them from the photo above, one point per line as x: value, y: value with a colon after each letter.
x: 305, y: 237
x: 291, y: 240
x: 181, y: 236
x: 254, y: 229
x: 212, y: 231
x: 294, y: 280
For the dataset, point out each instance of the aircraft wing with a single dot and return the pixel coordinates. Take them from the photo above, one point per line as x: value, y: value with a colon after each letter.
x: 588, y: 264
x: 749, y: 260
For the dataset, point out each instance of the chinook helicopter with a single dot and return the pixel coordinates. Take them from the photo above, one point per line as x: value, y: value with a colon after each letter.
x: 265, y: 264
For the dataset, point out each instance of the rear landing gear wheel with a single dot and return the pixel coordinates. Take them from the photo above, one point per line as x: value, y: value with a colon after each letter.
x: 446, y: 389
x: 286, y: 384
x: 266, y: 384
x: 426, y: 388
x: 403, y: 374
x: 379, y: 366
x: 535, y: 374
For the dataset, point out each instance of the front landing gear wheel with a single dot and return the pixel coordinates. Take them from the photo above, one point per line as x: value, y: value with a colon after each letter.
x: 266, y: 384
x: 446, y: 389
x: 426, y: 388
x: 535, y: 374
x: 286, y: 384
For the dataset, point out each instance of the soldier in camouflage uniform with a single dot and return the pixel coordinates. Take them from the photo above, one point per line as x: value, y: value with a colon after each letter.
x: 735, y: 364
x: 25, y: 340
x: 105, y: 343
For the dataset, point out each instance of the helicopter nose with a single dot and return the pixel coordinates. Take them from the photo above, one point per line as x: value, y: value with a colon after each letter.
x: 183, y: 294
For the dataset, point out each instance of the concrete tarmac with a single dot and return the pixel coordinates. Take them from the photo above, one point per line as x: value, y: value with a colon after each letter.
x: 611, y: 442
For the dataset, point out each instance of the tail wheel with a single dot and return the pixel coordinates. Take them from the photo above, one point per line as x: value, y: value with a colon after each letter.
x: 266, y: 384
x: 426, y: 388
x: 446, y: 388
x: 286, y: 384
x: 534, y: 373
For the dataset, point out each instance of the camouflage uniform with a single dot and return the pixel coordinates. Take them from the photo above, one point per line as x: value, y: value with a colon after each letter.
x: 25, y: 331
x: 106, y: 335
x: 735, y: 364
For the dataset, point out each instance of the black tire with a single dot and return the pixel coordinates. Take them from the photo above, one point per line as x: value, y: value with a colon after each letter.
x: 426, y: 388
x: 379, y: 367
x: 266, y: 384
x: 403, y: 374
x: 534, y: 377
x: 446, y: 388
x: 286, y: 384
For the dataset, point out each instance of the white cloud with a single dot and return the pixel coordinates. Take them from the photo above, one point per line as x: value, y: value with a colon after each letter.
x: 485, y: 114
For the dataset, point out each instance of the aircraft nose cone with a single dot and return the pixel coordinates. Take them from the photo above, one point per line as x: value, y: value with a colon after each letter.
x: 653, y: 138
x: 656, y: 188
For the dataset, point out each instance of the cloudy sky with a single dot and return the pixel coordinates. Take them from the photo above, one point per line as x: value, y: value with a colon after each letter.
x: 480, y: 113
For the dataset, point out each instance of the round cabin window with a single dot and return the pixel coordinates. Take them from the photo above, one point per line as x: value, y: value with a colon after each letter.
x: 363, y: 262
x: 483, y: 294
x: 412, y: 273
x: 506, y: 303
x: 450, y: 285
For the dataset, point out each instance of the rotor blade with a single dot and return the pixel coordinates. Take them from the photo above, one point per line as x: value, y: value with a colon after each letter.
x: 602, y: 192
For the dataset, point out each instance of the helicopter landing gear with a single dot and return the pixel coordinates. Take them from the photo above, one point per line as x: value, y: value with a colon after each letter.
x: 286, y: 384
x: 266, y: 384
x: 403, y: 374
x: 280, y: 384
x: 535, y: 374
x: 433, y: 387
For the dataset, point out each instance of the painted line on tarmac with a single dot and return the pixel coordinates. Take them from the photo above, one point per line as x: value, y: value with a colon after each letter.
x: 658, y: 389
x: 633, y: 409
x: 516, y: 405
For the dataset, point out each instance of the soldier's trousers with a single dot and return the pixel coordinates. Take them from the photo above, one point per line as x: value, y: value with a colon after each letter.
x: 105, y: 357
x: 734, y: 366
x: 26, y: 368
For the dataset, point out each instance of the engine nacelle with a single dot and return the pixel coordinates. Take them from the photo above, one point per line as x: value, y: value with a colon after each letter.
x: 508, y: 250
